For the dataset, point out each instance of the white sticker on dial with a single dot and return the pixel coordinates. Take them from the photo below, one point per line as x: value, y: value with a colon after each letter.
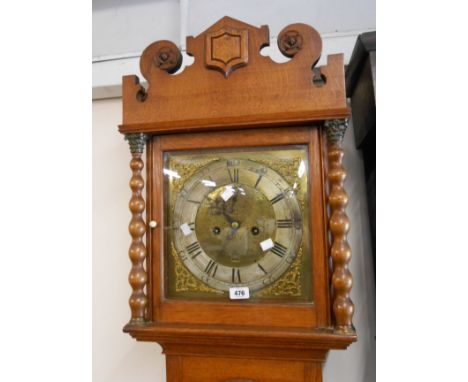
x: 227, y: 193
x: 239, y: 293
x: 267, y: 244
x: 185, y: 229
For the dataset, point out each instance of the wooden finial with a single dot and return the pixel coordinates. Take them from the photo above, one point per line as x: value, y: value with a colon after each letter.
x: 296, y: 37
x: 160, y: 55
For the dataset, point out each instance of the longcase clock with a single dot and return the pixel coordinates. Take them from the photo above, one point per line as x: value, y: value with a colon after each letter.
x: 239, y: 252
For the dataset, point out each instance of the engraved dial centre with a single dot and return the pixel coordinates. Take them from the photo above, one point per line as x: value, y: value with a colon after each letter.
x: 233, y: 244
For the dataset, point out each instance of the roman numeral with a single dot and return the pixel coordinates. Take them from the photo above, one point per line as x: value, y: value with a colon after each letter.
x: 284, y: 223
x: 279, y: 250
x: 277, y: 198
x: 211, y: 268
x: 236, y: 275
x: 193, y: 249
x: 234, y: 176
x: 258, y: 180
x: 262, y: 269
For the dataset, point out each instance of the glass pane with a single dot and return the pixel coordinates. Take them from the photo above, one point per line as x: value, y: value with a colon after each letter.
x: 237, y: 218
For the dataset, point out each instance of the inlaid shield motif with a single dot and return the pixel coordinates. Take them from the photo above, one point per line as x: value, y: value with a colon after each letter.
x: 227, y: 49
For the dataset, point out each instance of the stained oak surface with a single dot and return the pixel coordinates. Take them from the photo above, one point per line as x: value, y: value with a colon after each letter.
x: 215, y: 369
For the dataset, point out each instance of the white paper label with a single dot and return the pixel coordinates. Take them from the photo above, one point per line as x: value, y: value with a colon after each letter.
x: 267, y: 244
x: 239, y: 293
x: 227, y: 193
x: 185, y: 229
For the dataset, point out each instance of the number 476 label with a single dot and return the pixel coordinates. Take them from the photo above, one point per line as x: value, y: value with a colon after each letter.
x: 239, y: 293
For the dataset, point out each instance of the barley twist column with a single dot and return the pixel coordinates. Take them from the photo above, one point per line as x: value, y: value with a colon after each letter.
x: 342, y: 280
x: 137, y: 228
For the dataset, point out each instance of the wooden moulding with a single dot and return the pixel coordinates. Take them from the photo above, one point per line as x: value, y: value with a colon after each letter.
x: 261, y: 342
x: 231, y: 85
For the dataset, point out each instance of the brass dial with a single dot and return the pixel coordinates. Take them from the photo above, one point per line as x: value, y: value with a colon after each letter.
x: 237, y: 223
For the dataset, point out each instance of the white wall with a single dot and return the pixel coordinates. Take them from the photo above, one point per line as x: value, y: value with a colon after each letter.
x: 119, y: 358
x: 123, y: 28
x: 116, y: 356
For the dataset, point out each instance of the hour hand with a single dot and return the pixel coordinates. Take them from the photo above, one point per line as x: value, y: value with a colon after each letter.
x: 228, y: 217
x: 228, y: 206
x: 221, y: 207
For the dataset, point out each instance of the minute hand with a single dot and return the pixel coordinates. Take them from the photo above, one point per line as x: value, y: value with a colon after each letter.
x: 228, y: 217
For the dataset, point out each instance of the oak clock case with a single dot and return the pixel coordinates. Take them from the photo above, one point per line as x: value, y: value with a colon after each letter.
x: 243, y: 189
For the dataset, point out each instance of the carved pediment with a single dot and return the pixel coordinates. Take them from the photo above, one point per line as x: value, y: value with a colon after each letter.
x: 231, y: 83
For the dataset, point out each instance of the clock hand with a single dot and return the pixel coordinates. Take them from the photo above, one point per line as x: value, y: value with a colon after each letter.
x: 228, y: 217
x: 233, y: 222
x: 232, y: 202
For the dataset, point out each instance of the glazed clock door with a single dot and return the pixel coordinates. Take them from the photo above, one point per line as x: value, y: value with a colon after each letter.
x: 236, y: 210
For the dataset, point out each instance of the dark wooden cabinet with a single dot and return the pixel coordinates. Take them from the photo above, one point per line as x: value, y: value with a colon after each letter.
x: 361, y: 89
x: 234, y: 100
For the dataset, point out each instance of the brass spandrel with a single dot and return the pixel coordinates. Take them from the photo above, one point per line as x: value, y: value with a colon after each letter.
x: 184, y: 171
x: 184, y: 280
x: 289, y: 284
